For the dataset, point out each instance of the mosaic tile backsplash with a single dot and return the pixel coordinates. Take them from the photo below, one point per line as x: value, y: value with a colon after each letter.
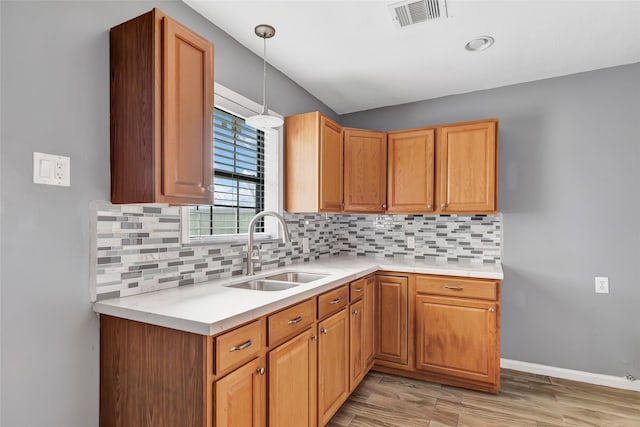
x: 138, y: 249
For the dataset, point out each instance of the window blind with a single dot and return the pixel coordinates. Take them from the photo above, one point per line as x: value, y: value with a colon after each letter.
x: 238, y: 182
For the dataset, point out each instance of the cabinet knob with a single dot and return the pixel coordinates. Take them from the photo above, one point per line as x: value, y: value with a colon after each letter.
x: 429, y: 206
x: 260, y: 371
x: 314, y: 338
x: 491, y: 310
x: 323, y: 331
x: 444, y: 205
x: 354, y: 312
x: 384, y: 206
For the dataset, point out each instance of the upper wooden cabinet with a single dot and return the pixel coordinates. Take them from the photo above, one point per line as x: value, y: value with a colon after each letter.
x: 365, y: 171
x: 467, y: 167
x: 441, y: 169
x: 313, y: 164
x: 411, y: 171
x: 161, y: 112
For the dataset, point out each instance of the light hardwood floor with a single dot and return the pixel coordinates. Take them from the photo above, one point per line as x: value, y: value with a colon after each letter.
x: 524, y: 400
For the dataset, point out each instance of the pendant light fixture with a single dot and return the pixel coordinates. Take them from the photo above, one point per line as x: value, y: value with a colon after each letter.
x: 264, y: 119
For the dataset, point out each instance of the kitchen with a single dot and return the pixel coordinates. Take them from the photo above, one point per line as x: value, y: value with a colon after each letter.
x: 566, y: 157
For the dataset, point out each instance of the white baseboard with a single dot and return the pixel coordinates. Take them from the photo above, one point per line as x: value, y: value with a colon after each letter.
x: 570, y: 374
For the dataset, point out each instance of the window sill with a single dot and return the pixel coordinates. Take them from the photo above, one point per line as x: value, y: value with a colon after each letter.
x: 240, y: 239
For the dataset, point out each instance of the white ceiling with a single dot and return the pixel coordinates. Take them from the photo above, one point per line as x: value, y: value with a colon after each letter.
x: 349, y: 54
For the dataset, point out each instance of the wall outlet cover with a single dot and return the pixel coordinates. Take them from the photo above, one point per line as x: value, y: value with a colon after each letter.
x: 50, y: 169
x: 602, y: 285
x: 411, y: 242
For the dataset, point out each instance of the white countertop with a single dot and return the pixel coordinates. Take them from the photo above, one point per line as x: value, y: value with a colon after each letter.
x: 208, y: 308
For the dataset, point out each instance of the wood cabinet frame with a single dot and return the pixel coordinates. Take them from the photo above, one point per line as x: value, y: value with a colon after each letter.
x: 161, y: 112
x: 151, y: 375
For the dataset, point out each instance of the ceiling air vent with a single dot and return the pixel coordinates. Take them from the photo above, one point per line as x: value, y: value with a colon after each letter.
x: 406, y: 13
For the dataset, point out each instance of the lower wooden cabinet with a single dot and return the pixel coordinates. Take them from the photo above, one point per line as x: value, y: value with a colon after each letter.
x: 369, y: 320
x: 292, y: 368
x: 392, y: 307
x: 457, y: 331
x: 333, y: 365
x: 293, y: 382
x: 357, y: 361
x: 240, y: 397
x: 456, y: 337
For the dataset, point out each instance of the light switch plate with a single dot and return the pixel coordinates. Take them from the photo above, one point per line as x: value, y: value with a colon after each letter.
x: 50, y: 169
x: 305, y: 245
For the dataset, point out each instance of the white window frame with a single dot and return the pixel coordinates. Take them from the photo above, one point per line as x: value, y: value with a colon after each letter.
x: 234, y: 103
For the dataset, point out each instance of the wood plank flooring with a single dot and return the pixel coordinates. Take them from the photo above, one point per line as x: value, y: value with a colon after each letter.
x: 524, y: 400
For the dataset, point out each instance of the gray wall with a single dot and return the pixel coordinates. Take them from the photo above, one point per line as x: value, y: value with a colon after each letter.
x: 568, y: 188
x: 55, y: 99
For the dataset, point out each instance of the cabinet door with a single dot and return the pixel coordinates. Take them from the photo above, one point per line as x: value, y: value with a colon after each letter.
x: 356, y: 344
x: 467, y: 159
x: 240, y: 397
x: 292, y: 382
x: 365, y: 171
x: 369, y: 320
x: 330, y: 166
x: 333, y: 365
x: 187, y: 104
x: 457, y: 337
x: 392, y: 311
x: 410, y: 171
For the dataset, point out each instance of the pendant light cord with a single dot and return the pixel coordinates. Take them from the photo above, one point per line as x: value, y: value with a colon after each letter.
x: 264, y: 75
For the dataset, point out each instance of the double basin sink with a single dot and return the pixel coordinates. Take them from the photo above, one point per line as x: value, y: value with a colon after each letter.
x: 279, y: 282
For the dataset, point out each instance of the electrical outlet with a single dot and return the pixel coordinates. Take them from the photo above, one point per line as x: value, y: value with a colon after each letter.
x: 411, y: 242
x: 50, y: 169
x: 602, y: 285
x: 305, y: 245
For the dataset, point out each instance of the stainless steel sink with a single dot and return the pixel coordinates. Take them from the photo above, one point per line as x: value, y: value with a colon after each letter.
x: 297, y: 277
x: 264, y: 285
x: 279, y: 282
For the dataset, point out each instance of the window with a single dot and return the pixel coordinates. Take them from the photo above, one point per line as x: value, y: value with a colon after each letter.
x: 238, y: 182
x: 246, y: 175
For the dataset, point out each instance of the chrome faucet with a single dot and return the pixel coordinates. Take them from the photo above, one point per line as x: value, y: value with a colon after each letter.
x: 252, y: 227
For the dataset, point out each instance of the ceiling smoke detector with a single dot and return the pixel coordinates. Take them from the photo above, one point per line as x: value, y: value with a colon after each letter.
x: 411, y: 12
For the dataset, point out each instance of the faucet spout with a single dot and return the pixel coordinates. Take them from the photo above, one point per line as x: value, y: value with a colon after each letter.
x: 251, y: 230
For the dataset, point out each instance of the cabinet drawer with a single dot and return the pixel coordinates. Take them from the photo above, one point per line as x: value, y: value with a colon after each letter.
x: 239, y: 346
x: 332, y: 301
x: 457, y: 287
x: 292, y: 320
x: 357, y: 290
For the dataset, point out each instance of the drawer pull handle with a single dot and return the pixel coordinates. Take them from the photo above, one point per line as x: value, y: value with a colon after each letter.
x: 260, y: 371
x: 241, y: 346
x: 335, y: 301
x: 294, y: 321
x: 358, y: 290
x: 454, y: 288
x: 324, y: 331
